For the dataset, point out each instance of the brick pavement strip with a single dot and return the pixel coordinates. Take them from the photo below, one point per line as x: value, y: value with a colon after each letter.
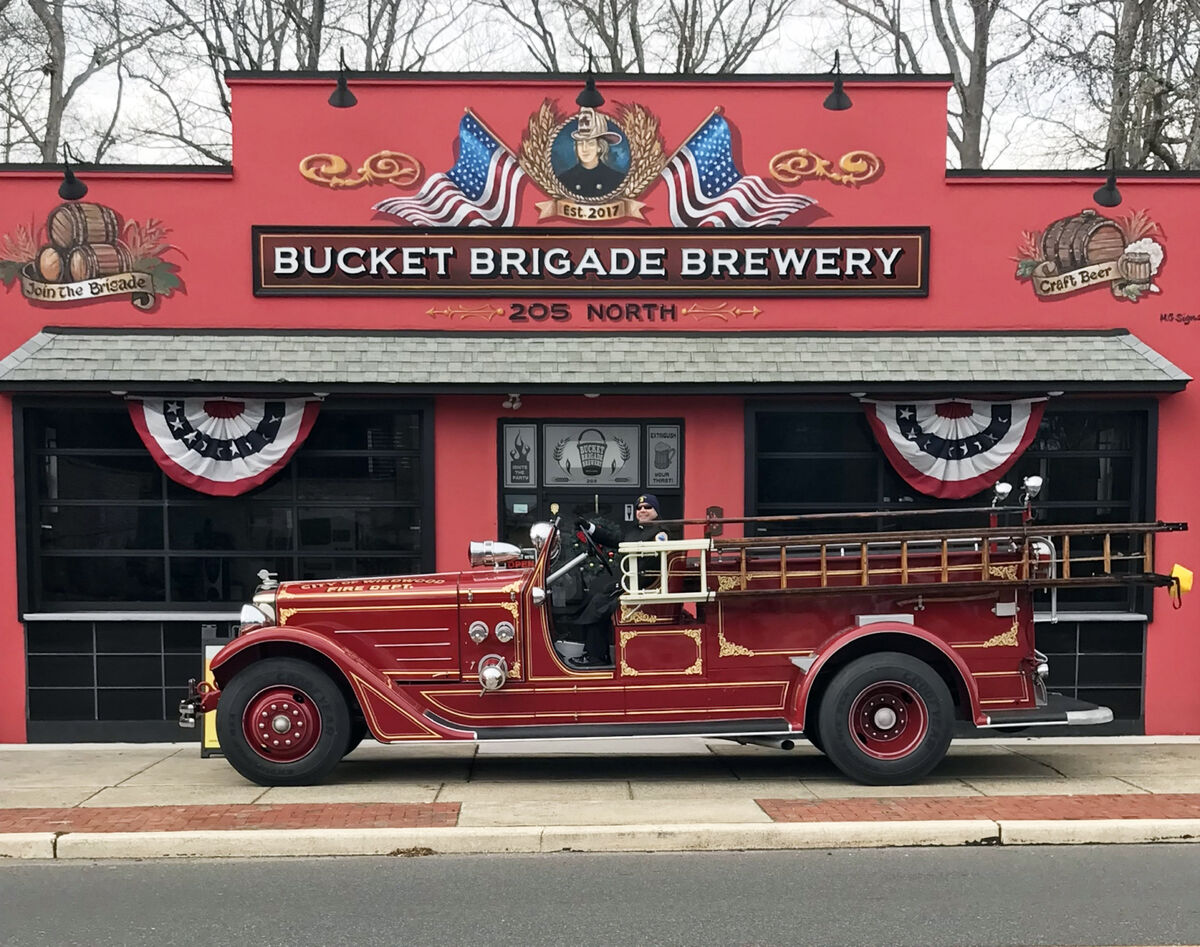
x: 938, y: 808
x: 262, y: 816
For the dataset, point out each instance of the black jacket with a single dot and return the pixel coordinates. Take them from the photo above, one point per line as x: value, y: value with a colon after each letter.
x: 588, y: 593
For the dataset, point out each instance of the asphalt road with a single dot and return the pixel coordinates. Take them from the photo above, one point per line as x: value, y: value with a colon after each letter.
x: 1102, y: 895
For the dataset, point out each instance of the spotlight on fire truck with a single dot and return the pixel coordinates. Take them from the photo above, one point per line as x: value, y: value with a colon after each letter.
x: 1000, y: 492
x: 493, y: 672
x: 1033, y: 486
x: 539, y: 533
x: 492, y: 553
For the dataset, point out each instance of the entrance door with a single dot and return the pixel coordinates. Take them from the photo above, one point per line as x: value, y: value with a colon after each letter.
x: 590, y: 467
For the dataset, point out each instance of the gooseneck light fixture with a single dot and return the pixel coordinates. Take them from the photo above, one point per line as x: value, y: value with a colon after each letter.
x: 342, y: 97
x: 71, y: 189
x: 590, y: 97
x: 837, y: 100
x: 1108, y: 195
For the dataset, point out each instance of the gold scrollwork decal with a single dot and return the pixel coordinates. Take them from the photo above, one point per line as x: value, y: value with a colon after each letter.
x: 486, y: 311
x: 729, y: 648
x: 727, y: 582
x: 1003, y: 572
x: 383, y: 167
x: 1006, y: 640
x: 853, y: 169
x: 285, y: 614
x: 633, y: 615
x: 693, y: 633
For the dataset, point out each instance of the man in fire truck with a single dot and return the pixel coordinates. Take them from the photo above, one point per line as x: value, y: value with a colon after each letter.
x: 584, y: 601
x: 602, y: 589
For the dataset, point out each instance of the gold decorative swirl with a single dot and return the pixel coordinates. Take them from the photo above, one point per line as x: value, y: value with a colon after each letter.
x: 853, y: 169
x: 729, y: 648
x: 1006, y: 640
x: 697, y: 666
x: 285, y: 614
x: 633, y: 615
x: 383, y: 167
x: 727, y: 582
x: 1003, y: 572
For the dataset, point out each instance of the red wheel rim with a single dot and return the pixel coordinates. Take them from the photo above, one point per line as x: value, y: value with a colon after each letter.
x: 888, y: 720
x: 281, y: 724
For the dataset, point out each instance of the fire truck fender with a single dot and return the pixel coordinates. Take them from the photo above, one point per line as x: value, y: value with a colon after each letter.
x: 390, y: 714
x: 881, y: 636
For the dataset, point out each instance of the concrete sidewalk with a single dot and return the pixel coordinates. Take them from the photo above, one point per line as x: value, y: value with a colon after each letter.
x: 158, y: 800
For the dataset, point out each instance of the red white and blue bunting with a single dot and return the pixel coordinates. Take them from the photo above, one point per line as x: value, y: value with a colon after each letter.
x: 954, y: 448
x: 222, y: 447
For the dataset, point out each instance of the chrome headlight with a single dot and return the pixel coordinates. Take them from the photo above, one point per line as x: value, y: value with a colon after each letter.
x: 539, y: 533
x: 252, y: 617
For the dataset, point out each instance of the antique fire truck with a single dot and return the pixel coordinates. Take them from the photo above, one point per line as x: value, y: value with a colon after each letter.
x: 870, y: 645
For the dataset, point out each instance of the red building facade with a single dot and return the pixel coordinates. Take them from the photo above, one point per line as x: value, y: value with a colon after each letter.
x: 393, y: 328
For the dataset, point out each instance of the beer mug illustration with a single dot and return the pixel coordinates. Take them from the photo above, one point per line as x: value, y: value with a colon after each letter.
x: 663, y: 455
x: 592, y: 447
x: 1135, y: 267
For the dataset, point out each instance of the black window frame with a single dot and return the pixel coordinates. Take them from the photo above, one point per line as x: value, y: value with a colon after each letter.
x: 30, y: 553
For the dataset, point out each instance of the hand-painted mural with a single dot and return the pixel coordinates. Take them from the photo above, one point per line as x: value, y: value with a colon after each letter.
x: 87, y: 252
x: 1088, y: 250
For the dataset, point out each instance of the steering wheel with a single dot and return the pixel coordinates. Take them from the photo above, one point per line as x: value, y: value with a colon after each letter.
x: 594, y: 550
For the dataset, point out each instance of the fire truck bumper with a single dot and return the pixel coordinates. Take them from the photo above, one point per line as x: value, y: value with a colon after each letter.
x: 1059, y: 711
x: 201, y: 698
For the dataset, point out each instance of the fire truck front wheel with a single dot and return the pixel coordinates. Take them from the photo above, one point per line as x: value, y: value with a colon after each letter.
x: 886, y: 719
x: 283, y: 722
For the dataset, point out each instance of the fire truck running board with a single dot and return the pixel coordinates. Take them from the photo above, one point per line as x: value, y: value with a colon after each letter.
x: 773, y: 726
x: 1059, y: 711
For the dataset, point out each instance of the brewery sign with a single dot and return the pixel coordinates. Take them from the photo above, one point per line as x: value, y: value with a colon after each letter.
x: 1089, y: 250
x: 85, y: 252
x: 592, y: 455
x: 520, y: 262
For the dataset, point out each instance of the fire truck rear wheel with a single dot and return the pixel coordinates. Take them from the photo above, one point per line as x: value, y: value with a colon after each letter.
x: 886, y: 719
x: 283, y: 722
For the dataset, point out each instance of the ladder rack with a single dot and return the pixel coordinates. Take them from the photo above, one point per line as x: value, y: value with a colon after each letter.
x: 970, y: 560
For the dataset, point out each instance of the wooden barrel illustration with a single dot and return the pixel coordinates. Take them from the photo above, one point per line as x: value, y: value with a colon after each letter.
x: 70, y: 225
x: 52, y: 264
x: 98, y: 259
x: 1086, y: 238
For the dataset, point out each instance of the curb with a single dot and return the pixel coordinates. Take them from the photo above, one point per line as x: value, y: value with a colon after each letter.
x: 264, y: 843
x: 1098, y: 831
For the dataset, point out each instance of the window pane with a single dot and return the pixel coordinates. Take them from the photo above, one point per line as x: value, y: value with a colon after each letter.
x: 345, y: 568
x: 813, y: 431
x: 365, y: 431
x: 62, y: 704
x: 367, y: 528
x: 816, y: 480
x: 124, y: 637
x: 129, y: 670
x: 83, y: 427
x: 1126, y: 703
x: 181, y: 636
x: 221, y: 579
x: 45, y: 637
x: 95, y: 579
x: 101, y: 527
x: 130, y: 705
x: 279, y: 487
x: 1085, y: 430
x: 61, y: 670
x: 358, y: 478
x: 118, y: 477
x: 1110, y: 669
x: 1088, y: 478
x: 178, y: 669
x: 225, y: 523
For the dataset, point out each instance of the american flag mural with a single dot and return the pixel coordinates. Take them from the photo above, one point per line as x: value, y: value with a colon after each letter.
x: 222, y: 447
x: 706, y: 189
x: 479, y: 191
x: 954, y: 448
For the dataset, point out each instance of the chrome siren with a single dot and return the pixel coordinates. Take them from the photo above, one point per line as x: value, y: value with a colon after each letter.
x: 492, y: 553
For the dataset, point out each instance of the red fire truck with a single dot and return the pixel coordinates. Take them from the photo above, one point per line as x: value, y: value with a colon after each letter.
x: 871, y: 645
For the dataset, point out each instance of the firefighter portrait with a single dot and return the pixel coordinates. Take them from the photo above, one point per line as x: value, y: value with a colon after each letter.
x: 594, y: 173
